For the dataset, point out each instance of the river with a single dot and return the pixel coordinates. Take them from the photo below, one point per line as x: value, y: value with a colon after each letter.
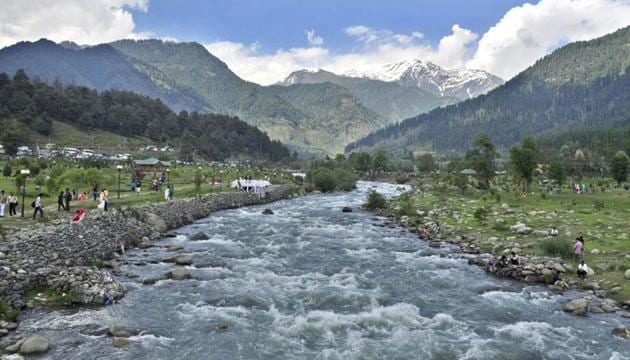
x: 311, y: 282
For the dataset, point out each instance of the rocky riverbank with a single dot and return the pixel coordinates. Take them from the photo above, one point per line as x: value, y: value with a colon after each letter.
x: 69, y: 259
x: 531, y: 269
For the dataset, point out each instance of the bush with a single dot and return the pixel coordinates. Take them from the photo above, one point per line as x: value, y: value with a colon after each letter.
x: 7, y: 313
x: 6, y: 171
x: 405, y: 206
x: 543, y: 196
x: 481, y: 213
x: 598, y: 204
x: 323, y: 179
x: 375, y: 201
x: 402, y: 179
x: 557, y: 247
x: 346, y: 180
x: 500, y: 226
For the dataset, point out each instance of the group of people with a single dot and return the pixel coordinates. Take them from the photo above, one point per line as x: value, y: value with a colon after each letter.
x: 8, y: 201
x: 503, y: 261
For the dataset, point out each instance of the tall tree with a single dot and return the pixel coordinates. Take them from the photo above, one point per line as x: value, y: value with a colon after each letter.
x: 482, y: 158
x: 557, y: 172
x: 380, y: 163
x: 426, y: 163
x: 619, y: 167
x: 524, y: 159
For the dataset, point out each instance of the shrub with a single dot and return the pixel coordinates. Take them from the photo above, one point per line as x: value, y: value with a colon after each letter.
x: 406, y: 206
x: 497, y: 198
x: 346, y: 180
x: 557, y: 247
x: 7, y: 313
x: 481, y: 213
x: 375, y: 201
x: 6, y: 171
x: 598, y: 204
x: 500, y: 226
x: 543, y: 196
x: 323, y: 179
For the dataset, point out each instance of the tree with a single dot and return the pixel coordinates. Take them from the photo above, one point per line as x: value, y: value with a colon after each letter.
x: 524, y: 159
x: 482, y: 159
x: 619, y: 167
x: 6, y: 171
x: 380, y: 162
x: 361, y: 161
x: 557, y: 172
x: 13, y: 136
x: 426, y: 163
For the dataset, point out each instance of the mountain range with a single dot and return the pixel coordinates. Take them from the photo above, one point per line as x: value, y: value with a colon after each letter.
x: 457, y: 83
x: 584, y: 84
x: 316, y: 112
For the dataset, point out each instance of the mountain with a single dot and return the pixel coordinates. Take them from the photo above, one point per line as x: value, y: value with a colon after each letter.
x: 185, y: 76
x: 387, y: 99
x: 459, y: 83
x: 581, y: 85
x: 34, y: 109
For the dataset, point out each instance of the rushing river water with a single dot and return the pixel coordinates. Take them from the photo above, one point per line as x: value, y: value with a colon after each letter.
x: 311, y: 282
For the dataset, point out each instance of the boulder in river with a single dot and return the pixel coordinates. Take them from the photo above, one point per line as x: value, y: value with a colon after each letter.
x: 121, y: 342
x: 119, y: 331
x: 577, y: 307
x: 198, y: 236
x: 179, y: 274
x: 620, y: 330
x: 267, y: 212
x: 156, y: 223
x: 183, y: 260
x: 34, y: 345
x: 346, y: 209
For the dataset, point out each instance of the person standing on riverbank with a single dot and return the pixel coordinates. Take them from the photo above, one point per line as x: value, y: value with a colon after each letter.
x: 67, y: 196
x: 94, y: 190
x: 37, y: 204
x: 12, y: 200
x: 3, y: 202
x: 582, y: 270
x: 60, y: 204
x: 577, y: 249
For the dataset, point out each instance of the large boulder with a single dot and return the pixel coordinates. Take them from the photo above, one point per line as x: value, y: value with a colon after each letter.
x: 346, y: 209
x: 121, y: 342
x: 34, y: 345
x: 183, y: 260
x: 179, y: 274
x: 577, y: 307
x: 620, y: 330
x: 267, y: 212
x: 198, y: 236
x: 156, y: 223
x: 521, y: 228
x: 627, y: 274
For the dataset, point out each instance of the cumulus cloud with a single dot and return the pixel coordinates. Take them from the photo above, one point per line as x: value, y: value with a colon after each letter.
x: 313, y: 39
x: 84, y: 22
x: 528, y: 32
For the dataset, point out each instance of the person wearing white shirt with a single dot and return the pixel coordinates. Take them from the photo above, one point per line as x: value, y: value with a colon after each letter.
x: 582, y: 270
x: 37, y: 204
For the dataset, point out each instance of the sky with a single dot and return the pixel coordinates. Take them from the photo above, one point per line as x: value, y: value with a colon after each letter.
x: 265, y: 40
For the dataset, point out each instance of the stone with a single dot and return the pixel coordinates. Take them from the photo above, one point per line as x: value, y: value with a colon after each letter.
x: 346, y: 209
x: 596, y: 310
x: 595, y: 251
x: 591, y: 286
x: 179, y: 274
x: 12, y: 349
x: 521, y: 228
x: 145, y: 243
x: 626, y: 275
x: 183, y: 260
x: 620, y: 330
x: 121, y: 342
x: 156, y: 223
x: 119, y: 331
x: 34, y: 345
x: 198, y: 236
x: 577, y: 306
x: 174, y: 248
x: 625, y: 314
x: 267, y: 212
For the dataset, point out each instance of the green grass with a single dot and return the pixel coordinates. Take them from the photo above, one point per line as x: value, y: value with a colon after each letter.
x: 601, y: 217
x: 66, y: 135
x: 51, y: 298
x: 8, y: 313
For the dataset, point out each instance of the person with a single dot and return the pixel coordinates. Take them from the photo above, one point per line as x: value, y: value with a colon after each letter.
x: 13, y: 200
x: 171, y: 192
x: 37, y: 204
x: 3, y: 202
x: 139, y: 186
x: 426, y: 233
x: 60, y: 204
x: 83, y: 196
x: 502, y: 262
x: 79, y: 215
x: 582, y: 270
x: 133, y: 185
x: 514, y: 259
x: 74, y: 194
x: 104, y: 199
x: 166, y: 193
x: 213, y: 180
x: 67, y: 196
x: 94, y: 190
x: 557, y: 281
x: 553, y: 232
x: 577, y: 249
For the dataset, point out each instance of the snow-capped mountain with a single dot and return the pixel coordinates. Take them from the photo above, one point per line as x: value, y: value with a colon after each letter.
x: 459, y: 83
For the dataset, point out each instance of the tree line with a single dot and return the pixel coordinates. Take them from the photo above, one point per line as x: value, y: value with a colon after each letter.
x: 31, y: 106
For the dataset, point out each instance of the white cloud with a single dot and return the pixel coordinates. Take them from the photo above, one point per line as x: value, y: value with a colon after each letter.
x: 81, y: 21
x: 313, y: 39
x: 528, y: 32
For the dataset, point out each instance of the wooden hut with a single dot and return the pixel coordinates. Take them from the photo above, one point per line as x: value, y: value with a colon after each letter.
x: 151, y: 167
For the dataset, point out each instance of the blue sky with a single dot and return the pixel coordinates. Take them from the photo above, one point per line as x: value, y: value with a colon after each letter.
x: 276, y: 24
x: 264, y: 40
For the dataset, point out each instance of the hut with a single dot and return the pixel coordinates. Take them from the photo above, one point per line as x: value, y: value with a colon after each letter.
x: 470, y: 174
x: 151, y: 167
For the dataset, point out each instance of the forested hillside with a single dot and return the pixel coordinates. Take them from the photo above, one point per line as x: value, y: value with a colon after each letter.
x: 575, y: 87
x: 27, y: 106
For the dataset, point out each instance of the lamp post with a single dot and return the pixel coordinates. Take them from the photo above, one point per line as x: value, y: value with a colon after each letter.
x: 119, y: 168
x: 25, y: 173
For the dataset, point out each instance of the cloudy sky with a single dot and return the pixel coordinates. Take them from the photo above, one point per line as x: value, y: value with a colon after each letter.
x: 264, y: 40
